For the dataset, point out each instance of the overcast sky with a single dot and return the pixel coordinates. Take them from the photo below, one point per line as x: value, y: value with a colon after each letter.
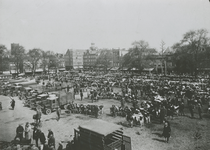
x: 59, y: 25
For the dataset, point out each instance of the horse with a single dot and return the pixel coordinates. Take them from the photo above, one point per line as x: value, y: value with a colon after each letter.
x: 138, y: 119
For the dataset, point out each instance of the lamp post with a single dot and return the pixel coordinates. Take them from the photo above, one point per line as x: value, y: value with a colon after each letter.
x: 165, y: 68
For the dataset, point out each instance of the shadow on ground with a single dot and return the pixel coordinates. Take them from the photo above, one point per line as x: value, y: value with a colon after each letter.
x: 158, y: 134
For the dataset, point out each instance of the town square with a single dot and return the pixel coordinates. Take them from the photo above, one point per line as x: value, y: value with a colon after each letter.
x: 104, y: 75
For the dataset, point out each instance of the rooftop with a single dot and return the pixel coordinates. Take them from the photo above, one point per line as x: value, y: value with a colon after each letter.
x: 101, y: 127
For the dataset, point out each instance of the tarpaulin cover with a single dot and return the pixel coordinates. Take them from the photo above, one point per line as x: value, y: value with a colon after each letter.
x: 101, y: 127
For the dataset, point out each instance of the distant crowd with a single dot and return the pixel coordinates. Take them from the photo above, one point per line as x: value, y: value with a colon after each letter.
x: 142, y: 99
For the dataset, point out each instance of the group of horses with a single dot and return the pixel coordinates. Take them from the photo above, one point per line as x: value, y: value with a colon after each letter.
x: 142, y: 114
x: 135, y: 116
x: 85, y: 109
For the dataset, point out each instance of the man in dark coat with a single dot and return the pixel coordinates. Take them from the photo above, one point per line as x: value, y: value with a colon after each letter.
x: 36, y: 135
x: 167, y: 131
x: 42, y: 139
x: 49, y: 133
x: 51, y: 141
x: 81, y: 94
x: 19, y: 132
x: 13, y: 104
x: 95, y: 95
x: 199, y: 110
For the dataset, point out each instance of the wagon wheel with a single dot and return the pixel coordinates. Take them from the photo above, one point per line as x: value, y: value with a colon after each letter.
x: 48, y: 111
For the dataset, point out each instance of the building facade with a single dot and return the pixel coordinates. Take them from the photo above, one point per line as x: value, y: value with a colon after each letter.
x: 74, y: 59
x: 162, y: 63
x: 78, y: 59
x: 159, y: 62
x: 89, y: 59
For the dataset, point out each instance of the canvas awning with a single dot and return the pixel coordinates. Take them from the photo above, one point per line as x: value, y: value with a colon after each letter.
x: 13, y: 71
x: 22, y: 74
x: 39, y: 70
x: 134, y: 69
x: 78, y: 67
x: 115, y: 68
x: 204, y: 69
x: 124, y: 69
x: 100, y: 127
x: 62, y: 69
x: 148, y: 69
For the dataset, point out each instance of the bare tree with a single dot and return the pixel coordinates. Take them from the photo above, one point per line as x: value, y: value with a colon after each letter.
x: 18, y: 58
x: 33, y: 57
x: 196, y: 40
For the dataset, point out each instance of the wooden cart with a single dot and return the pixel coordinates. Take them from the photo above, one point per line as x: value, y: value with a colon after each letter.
x: 101, y: 135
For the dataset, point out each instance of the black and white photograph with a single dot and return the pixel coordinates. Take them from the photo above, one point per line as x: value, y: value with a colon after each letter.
x: 104, y: 75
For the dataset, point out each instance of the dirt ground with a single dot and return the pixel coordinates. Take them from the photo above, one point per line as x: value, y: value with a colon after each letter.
x: 148, y: 137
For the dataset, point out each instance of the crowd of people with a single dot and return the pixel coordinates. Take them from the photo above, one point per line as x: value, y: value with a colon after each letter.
x: 142, y: 99
x: 34, y: 137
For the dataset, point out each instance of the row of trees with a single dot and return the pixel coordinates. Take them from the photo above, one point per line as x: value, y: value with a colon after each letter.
x: 31, y: 59
x: 192, y: 52
x: 188, y: 55
x: 137, y: 57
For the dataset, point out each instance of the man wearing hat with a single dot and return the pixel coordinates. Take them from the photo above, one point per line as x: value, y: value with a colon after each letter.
x: 49, y: 133
x: 51, y: 141
x: 36, y: 135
